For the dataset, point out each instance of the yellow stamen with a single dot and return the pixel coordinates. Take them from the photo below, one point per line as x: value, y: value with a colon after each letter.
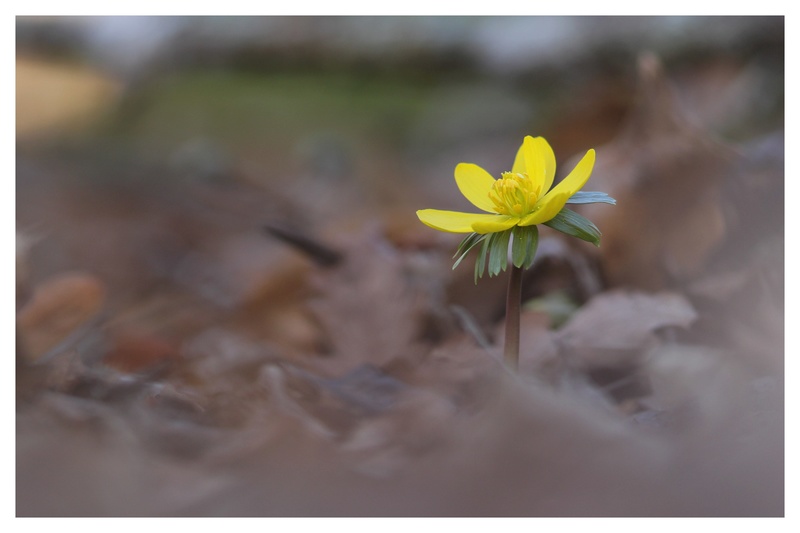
x: 514, y: 194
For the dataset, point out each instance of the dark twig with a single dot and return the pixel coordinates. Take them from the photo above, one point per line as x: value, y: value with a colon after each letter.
x: 321, y: 254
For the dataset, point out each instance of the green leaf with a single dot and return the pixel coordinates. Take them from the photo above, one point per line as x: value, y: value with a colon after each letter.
x: 571, y: 223
x: 591, y: 197
x: 480, y: 264
x: 533, y: 244
x: 498, y: 252
x: 524, y: 246
x: 469, y: 242
x: 519, y: 246
x: 466, y: 243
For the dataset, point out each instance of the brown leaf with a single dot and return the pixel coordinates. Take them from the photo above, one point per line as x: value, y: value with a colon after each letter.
x: 58, y: 307
x: 134, y: 353
x: 666, y: 176
x: 614, y: 328
x: 377, y: 304
x: 538, y: 352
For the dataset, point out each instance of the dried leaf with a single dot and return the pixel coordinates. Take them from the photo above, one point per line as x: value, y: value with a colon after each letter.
x: 58, y: 308
x: 614, y: 328
x: 666, y: 176
x: 374, y: 306
x: 135, y: 353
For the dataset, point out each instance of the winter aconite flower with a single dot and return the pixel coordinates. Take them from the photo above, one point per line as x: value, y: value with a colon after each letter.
x: 515, y: 203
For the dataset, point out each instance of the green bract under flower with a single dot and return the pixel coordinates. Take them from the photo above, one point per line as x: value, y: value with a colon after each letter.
x: 515, y: 204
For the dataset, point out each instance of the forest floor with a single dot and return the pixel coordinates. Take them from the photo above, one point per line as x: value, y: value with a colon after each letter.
x: 224, y: 345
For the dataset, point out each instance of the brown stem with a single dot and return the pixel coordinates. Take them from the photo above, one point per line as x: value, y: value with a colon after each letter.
x: 513, y: 304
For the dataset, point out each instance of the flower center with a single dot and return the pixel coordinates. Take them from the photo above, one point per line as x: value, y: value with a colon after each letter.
x: 514, y: 194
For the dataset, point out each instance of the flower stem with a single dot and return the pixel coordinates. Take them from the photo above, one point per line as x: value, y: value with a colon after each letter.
x: 513, y: 304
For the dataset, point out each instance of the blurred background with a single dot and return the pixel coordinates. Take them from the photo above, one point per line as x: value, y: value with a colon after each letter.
x: 216, y: 237
x: 320, y: 122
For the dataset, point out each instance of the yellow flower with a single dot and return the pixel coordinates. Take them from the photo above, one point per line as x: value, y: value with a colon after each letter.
x: 522, y: 197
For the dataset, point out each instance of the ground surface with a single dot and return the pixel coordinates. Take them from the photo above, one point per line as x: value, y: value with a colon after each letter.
x: 220, y: 313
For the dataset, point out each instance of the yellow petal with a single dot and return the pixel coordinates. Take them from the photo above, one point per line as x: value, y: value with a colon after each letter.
x: 545, y: 153
x: 545, y: 209
x: 453, y: 221
x: 536, y: 159
x: 475, y: 184
x: 519, y: 161
x: 532, y: 163
x: 577, y: 178
x: 495, y: 223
